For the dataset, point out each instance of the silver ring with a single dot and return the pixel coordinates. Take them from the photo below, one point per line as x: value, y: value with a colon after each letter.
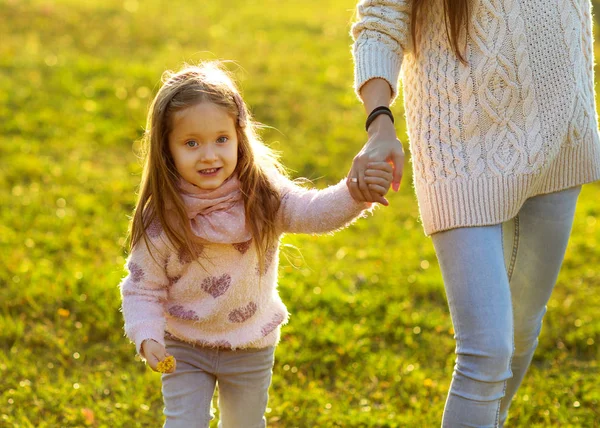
x: 354, y: 180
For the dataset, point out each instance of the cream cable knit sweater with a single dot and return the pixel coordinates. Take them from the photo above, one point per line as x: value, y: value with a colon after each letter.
x: 517, y: 121
x: 225, y: 302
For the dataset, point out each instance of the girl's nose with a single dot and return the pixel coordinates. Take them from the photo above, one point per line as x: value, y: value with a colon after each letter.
x: 209, y: 154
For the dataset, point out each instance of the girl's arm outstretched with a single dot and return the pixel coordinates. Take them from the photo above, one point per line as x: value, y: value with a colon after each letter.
x: 316, y: 211
x: 143, y: 293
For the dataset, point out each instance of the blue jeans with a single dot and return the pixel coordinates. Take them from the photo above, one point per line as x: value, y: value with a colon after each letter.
x: 243, y: 376
x: 498, y: 281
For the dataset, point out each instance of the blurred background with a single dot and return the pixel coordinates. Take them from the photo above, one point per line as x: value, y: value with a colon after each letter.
x: 369, y: 343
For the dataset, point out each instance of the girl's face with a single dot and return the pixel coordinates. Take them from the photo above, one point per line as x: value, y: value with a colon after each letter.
x: 204, y: 144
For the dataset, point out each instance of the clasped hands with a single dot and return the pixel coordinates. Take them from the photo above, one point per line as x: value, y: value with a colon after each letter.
x: 377, y: 166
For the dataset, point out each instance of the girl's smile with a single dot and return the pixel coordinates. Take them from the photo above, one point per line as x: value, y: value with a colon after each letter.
x: 204, y: 145
x: 209, y: 171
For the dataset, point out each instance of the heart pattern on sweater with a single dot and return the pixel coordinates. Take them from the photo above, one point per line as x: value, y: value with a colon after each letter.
x: 216, y: 286
x: 180, y: 312
x: 173, y: 280
x: 268, y: 328
x: 185, y: 257
x: 136, y: 272
x: 154, y: 229
x: 242, y: 314
x: 242, y: 247
x: 269, y: 256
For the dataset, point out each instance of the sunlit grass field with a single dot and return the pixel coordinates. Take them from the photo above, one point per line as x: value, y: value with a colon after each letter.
x: 369, y: 343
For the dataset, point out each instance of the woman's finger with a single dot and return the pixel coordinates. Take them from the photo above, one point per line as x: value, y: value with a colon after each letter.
x: 398, y: 162
x: 352, y: 183
x: 358, y: 189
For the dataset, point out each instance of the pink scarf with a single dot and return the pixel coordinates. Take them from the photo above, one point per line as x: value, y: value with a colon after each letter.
x: 216, y: 215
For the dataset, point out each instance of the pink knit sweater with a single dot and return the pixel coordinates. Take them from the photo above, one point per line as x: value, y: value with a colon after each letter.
x: 224, y: 301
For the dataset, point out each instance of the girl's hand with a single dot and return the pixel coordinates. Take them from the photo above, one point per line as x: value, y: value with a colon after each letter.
x: 378, y: 177
x: 154, y: 353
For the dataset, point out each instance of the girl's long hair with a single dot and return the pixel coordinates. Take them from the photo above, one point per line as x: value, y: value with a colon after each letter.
x: 159, y: 191
x: 456, y: 16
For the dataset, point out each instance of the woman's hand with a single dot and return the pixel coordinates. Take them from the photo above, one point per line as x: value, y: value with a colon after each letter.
x: 154, y: 353
x: 382, y: 146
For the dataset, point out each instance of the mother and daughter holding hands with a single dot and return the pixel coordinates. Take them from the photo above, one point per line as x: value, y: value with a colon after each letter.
x: 499, y: 101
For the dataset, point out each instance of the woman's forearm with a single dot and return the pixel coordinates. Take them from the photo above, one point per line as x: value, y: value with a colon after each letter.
x: 376, y: 92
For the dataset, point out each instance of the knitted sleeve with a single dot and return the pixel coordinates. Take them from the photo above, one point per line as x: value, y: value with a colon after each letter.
x: 381, y: 35
x: 144, y: 292
x: 315, y: 211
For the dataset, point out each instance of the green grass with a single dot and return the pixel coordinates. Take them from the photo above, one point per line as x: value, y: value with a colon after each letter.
x: 369, y: 343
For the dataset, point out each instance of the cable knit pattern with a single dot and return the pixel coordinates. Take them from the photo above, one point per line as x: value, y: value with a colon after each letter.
x: 224, y: 300
x: 518, y: 120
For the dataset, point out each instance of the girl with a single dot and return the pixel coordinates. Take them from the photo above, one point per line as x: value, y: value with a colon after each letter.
x: 204, y: 248
x: 499, y: 100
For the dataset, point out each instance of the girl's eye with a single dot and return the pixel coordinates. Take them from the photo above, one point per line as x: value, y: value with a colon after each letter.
x: 222, y: 140
x: 191, y: 143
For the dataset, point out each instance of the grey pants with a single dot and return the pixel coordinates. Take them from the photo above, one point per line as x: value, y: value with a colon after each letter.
x: 243, y: 375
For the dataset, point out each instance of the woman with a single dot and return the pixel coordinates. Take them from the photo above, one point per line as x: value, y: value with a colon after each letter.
x: 499, y: 101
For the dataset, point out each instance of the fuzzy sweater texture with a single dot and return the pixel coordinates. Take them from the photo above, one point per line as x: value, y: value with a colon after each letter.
x: 224, y: 301
x: 518, y: 120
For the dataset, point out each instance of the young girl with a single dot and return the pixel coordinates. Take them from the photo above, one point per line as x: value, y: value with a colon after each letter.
x: 204, y: 248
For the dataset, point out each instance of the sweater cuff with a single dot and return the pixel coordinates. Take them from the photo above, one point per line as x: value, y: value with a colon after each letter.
x: 148, y: 333
x: 355, y: 205
x: 372, y: 61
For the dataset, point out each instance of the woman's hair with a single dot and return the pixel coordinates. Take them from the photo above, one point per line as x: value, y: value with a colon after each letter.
x: 456, y: 17
x: 159, y: 191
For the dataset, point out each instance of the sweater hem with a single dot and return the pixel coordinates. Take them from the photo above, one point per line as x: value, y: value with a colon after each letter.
x: 493, y: 200
x: 272, y: 339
